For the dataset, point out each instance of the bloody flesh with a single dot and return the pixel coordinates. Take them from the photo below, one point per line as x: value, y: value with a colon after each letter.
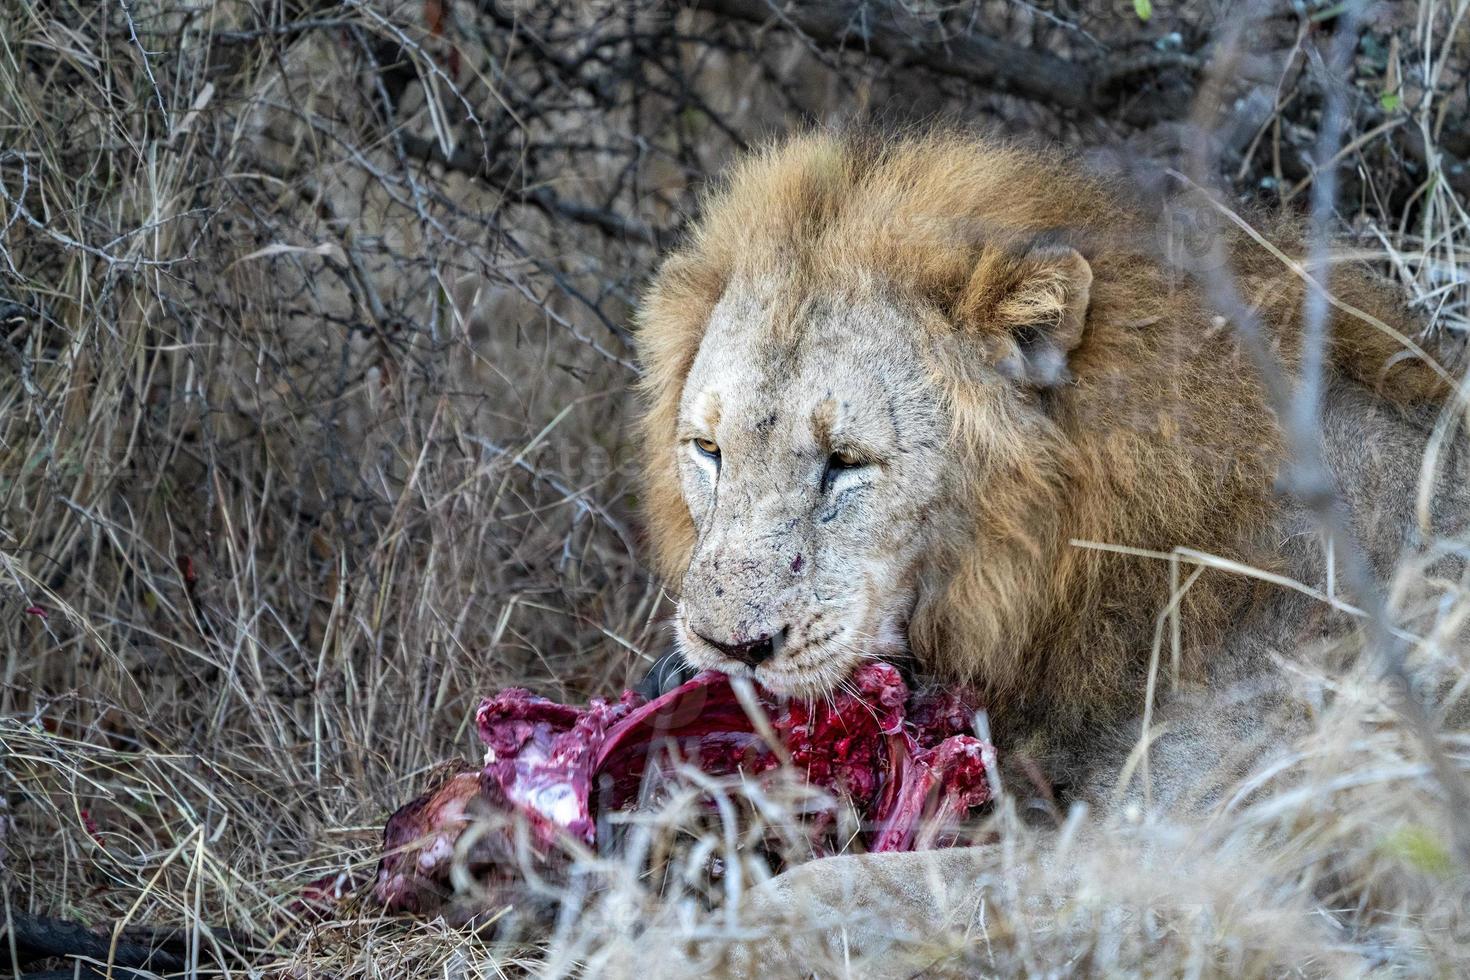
x: 908, y: 763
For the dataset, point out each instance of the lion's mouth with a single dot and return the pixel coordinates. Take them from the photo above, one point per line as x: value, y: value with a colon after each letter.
x: 812, y: 667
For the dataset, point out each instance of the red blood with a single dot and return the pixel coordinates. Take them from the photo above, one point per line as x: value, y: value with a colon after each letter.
x: 186, y: 569
x: 93, y: 831
x: 320, y: 897
x: 909, y: 764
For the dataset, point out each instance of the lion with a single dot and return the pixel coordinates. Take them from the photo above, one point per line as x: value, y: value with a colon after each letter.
x: 946, y: 399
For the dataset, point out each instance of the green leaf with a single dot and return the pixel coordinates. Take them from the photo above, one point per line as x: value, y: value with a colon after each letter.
x: 1390, y: 101
x: 1419, y: 848
x: 1143, y: 8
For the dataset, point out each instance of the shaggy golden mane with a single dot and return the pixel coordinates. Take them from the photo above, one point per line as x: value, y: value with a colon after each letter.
x: 1162, y: 437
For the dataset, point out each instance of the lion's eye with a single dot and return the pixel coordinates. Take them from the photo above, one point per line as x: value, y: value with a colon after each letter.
x: 708, y: 447
x: 838, y: 463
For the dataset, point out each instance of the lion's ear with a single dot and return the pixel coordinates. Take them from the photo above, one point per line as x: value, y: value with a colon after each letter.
x: 1031, y: 305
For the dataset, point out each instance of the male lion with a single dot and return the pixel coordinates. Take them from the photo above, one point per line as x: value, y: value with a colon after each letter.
x: 898, y: 390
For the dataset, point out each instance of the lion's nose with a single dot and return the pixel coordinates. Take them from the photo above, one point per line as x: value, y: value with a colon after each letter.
x: 752, y: 653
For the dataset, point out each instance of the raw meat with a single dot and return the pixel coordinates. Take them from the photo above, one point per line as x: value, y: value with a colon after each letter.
x: 909, y: 764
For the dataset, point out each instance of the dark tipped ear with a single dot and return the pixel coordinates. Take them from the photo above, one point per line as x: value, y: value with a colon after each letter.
x: 1030, y: 306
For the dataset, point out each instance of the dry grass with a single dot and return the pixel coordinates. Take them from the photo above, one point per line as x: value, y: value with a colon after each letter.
x: 305, y: 444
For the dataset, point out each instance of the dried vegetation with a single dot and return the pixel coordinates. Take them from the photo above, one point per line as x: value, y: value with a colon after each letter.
x: 314, y: 382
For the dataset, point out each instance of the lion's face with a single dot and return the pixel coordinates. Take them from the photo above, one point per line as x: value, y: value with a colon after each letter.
x: 813, y: 473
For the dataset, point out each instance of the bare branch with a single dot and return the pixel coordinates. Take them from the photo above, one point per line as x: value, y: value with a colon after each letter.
x: 885, y: 31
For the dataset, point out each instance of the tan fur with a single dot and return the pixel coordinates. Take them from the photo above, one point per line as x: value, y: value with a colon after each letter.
x: 1162, y: 436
